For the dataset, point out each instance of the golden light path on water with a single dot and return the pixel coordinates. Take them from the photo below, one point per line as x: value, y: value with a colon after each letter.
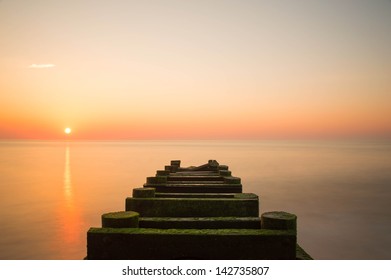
x: 69, y: 211
x: 67, y: 177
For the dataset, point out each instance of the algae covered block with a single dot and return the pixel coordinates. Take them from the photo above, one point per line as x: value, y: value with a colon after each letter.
x: 195, y: 188
x: 207, y: 244
x: 143, y: 192
x: 195, y: 195
x: 279, y: 220
x: 122, y: 219
x: 201, y: 223
x: 194, y: 207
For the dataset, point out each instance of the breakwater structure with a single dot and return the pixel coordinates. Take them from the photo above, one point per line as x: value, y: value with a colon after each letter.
x: 194, y: 213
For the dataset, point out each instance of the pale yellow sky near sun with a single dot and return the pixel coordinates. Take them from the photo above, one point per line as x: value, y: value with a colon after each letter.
x: 195, y: 69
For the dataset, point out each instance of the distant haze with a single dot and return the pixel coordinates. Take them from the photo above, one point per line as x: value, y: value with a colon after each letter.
x: 195, y: 69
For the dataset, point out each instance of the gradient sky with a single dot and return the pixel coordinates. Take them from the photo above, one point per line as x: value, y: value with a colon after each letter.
x: 200, y: 69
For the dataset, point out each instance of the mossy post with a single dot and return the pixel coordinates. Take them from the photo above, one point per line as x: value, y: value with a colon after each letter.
x: 144, y: 192
x: 232, y: 180
x: 223, y: 167
x: 175, y: 164
x: 122, y: 219
x: 278, y: 221
x: 157, y: 180
x: 162, y: 172
x: 225, y: 173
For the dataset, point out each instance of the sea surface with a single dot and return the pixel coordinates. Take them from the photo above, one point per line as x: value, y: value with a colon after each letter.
x: 51, y: 193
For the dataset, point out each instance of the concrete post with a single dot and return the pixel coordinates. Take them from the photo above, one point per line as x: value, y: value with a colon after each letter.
x: 278, y: 220
x: 123, y: 219
x: 144, y: 192
x: 232, y: 180
x: 162, y: 172
x: 225, y: 173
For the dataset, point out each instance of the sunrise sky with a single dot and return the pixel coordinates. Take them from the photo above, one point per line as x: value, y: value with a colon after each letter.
x: 203, y: 69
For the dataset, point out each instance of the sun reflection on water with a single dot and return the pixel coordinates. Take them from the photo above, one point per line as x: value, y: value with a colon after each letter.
x: 70, y: 216
x: 67, y: 177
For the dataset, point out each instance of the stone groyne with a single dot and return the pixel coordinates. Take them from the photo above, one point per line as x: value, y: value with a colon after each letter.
x: 194, y: 213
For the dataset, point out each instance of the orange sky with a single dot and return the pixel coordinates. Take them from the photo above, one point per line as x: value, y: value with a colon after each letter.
x: 195, y: 69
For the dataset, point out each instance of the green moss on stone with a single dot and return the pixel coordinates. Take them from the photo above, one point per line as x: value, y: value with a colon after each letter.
x: 144, y: 192
x: 193, y: 207
x: 162, y: 172
x: 148, y: 231
x: 245, y: 196
x: 232, y: 180
x: 279, y: 220
x: 122, y: 219
x: 225, y: 173
x: 201, y: 222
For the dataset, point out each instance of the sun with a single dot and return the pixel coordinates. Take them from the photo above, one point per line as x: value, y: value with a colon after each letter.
x: 68, y: 130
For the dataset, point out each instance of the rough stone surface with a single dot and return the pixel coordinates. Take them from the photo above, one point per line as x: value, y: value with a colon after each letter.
x: 223, y: 167
x: 232, y: 180
x: 176, y: 162
x: 162, y: 172
x: 201, y: 223
x: 157, y: 180
x: 196, y: 188
x: 199, y: 178
x: 196, y: 195
x: 123, y: 219
x: 190, y: 207
x: 225, y: 173
x: 279, y: 220
x: 171, y: 244
x: 143, y: 192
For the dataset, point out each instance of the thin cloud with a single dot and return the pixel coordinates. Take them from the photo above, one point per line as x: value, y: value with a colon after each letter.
x: 42, y: 66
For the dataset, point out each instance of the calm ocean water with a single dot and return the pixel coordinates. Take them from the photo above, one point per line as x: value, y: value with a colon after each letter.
x: 51, y: 193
